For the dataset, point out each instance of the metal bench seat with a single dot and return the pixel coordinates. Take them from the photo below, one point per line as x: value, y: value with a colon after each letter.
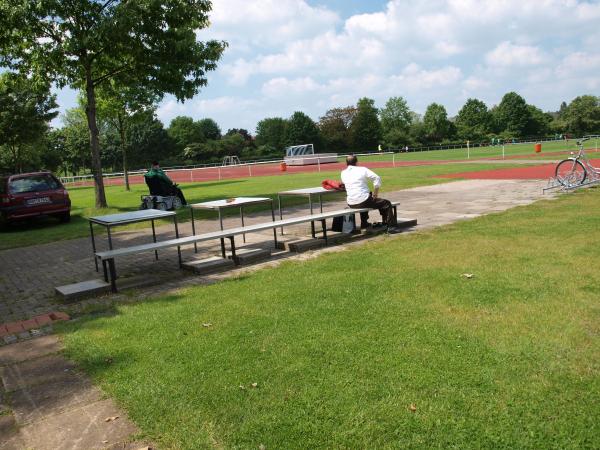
x: 107, y: 257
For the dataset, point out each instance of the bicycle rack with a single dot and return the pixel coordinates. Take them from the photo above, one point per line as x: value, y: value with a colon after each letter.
x: 553, y: 183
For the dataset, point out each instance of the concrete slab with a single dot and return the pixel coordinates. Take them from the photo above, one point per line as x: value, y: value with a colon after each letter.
x: 304, y: 245
x: 35, y: 402
x: 339, y: 238
x: 31, y: 349
x: 250, y: 255
x: 42, y: 370
x: 76, y: 291
x: 209, y: 265
x: 79, y: 428
x: 403, y: 222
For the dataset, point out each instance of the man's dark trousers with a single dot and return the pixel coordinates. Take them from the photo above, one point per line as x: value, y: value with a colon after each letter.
x: 385, y: 209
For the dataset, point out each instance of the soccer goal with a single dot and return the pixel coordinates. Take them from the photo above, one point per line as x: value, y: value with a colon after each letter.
x: 231, y: 160
x: 300, y: 155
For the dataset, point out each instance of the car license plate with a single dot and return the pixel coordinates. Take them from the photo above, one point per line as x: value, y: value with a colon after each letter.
x: 39, y: 201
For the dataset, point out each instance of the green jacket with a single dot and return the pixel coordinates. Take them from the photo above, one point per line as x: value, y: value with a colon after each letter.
x: 158, y: 173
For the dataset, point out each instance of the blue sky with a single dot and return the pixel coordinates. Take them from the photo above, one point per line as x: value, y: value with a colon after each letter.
x: 297, y: 55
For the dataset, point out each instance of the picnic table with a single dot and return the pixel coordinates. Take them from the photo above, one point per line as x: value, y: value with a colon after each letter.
x: 112, y: 220
x: 236, y: 202
x: 308, y: 193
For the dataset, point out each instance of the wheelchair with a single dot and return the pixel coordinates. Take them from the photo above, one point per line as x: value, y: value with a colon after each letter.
x: 163, y: 196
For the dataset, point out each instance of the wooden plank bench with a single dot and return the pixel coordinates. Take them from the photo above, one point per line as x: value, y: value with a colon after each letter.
x: 108, y: 257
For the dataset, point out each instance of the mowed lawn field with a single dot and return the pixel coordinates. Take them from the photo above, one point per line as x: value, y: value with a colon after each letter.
x: 550, y: 150
x: 120, y: 200
x: 384, y: 345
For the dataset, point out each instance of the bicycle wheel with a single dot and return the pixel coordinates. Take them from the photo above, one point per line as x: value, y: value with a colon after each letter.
x: 570, y: 172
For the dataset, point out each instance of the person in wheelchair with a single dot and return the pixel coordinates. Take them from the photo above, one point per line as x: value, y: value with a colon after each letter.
x: 160, y: 184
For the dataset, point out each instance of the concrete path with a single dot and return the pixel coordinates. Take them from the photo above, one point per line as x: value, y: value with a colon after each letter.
x: 47, y: 404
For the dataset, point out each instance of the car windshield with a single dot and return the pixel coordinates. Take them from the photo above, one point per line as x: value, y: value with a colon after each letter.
x: 34, y: 183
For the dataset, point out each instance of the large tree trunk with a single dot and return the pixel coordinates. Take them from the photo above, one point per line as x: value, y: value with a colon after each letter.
x: 90, y: 111
x: 124, y: 151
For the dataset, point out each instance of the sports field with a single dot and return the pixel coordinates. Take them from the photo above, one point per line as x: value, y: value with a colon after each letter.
x: 554, y: 150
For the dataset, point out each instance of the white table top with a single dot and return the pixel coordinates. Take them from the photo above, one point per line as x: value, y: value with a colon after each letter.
x: 230, y: 202
x: 131, y: 217
x: 309, y: 191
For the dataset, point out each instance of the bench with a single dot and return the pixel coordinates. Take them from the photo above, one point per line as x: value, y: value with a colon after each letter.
x: 108, y: 257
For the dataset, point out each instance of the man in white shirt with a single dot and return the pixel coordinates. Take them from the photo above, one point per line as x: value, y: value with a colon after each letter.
x: 356, y: 180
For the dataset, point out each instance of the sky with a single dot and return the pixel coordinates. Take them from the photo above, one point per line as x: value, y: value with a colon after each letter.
x: 311, y: 56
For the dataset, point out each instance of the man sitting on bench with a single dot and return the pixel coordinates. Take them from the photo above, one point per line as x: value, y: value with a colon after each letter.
x: 160, y: 184
x: 356, y: 179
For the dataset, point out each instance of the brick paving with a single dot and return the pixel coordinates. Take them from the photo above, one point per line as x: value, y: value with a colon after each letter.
x: 29, y: 275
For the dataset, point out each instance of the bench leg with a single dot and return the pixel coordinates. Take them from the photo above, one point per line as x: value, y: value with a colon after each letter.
x: 312, y: 224
x: 223, y: 248
x: 324, y: 225
x: 154, y: 240
x: 395, y: 215
x: 113, y: 275
x: 105, y: 270
x: 233, y: 256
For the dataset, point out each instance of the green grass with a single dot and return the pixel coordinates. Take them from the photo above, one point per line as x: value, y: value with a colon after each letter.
x: 43, y: 231
x: 487, y: 152
x: 343, y: 344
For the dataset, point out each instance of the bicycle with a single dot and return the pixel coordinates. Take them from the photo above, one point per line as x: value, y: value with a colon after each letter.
x: 573, y: 171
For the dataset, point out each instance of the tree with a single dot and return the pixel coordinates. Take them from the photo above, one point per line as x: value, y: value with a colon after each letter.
x: 121, y: 107
x: 365, y: 128
x: 184, y: 131
x: 583, y: 115
x: 271, y: 132
x: 301, y: 129
x: 241, y: 131
x: 147, y: 140
x: 334, y: 127
x: 395, y: 121
x: 54, y: 151
x: 417, y: 131
x: 473, y: 121
x: 512, y: 116
x: 26, y: 108
x: 539, y: 122
x: 84, y: 43
x: 210, y: 129
x: 436, y: 123
x: 76, y: 140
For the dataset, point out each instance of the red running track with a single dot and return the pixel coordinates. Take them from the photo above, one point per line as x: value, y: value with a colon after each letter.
x: 541, y: 172
x: 259, y: 170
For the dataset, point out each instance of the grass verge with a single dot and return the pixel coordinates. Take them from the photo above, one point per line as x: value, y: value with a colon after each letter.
x: 381, y: 346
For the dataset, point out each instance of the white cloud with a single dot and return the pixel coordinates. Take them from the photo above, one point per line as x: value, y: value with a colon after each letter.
x: 247, y: 24
x: 507, y: 54
x: 288, y: 55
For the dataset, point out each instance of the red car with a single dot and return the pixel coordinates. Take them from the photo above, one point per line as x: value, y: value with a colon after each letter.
x: 35, y: 194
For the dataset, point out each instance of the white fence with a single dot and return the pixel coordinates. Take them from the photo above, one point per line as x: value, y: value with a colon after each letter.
x: 204, y: 172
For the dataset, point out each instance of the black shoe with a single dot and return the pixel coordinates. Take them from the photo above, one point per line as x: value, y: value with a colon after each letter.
x: 393, y: 230
x: 366, y: 225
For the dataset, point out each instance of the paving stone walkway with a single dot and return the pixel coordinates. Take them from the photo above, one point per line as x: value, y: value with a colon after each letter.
x: 47, y: 404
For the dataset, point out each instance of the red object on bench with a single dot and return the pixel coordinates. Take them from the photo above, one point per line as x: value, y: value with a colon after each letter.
x: 332, y: 185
